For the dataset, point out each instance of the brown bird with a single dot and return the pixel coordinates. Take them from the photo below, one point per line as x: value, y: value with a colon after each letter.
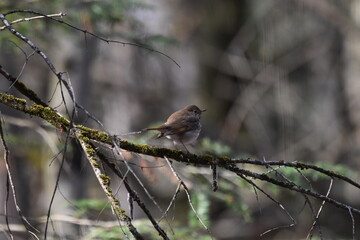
x: 182, y: 127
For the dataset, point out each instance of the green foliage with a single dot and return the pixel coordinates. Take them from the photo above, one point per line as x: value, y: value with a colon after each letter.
x: 103, y: 233
x: 146, y: 229
x: 298, y: 176
x: 288, y: 172
x: 305, y: 177
x: 214, y: 147
x: 337, y: 168
x: 273, y: 189
x: 189, y: 233
x: 85, y: 206
x: 160, y: 40
x: 110, y: 11
x: 94, y: 16
x: 201, y: 204
x: 33, y: 151
x: 230, y: 194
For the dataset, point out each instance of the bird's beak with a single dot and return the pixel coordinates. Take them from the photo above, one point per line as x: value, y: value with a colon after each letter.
x: 203, y: 110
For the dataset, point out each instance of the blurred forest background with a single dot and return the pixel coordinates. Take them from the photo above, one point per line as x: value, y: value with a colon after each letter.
x: 279, y: 80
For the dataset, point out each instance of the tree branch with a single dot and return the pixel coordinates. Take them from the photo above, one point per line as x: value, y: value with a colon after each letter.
x: 224, y: 162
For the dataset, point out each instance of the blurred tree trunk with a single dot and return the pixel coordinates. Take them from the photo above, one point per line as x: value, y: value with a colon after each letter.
x: 84, y: 83
x: 352, y: 87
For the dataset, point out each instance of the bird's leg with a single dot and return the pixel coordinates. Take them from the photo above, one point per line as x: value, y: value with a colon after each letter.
x: 176, y: 146
x: 184, y: 146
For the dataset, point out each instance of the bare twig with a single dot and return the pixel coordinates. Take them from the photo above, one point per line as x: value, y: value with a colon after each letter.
x: 47, y: 60
x: 319, y: 211
x: 6, y: 206
x: 177, y: 191
x: 118, y: 151
x: 27, y: 57
x: 214, y: 178
x: 187, y: 194
x: 352, y: 223
x: 56, y: 185
x: 94, y: 35
x: 22, y: 88
x: 298, y: 165
x: 131, y: 206
x: 32, y: 18
x: 275, y: 201
x: 11, y: 183
x: 290, y: 186
x: 307, y: 200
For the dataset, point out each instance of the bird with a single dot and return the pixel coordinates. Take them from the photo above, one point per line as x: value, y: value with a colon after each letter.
x: 182, y: 127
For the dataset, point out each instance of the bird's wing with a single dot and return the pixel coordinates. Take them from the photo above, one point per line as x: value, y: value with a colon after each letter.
x: 181, y: 125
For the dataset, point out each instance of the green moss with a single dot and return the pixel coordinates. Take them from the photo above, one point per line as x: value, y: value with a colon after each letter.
x: 10, y: 100
x: 94, y: 163
x: 301, y: 166
x: 120, y: 212
x: 88, y: 134
x: 45, y: 113
x: 90, y: 151
x: 105, y: 180
x: 83, y: 138
x: 95, y: 134
x: 116, y: 202
x: 49, y: 115
x: 27, y: 92
x: 208, y: 159
x: 225, y: 159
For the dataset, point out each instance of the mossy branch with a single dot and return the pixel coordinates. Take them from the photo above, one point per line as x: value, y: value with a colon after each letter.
x: 104, y: 181
x: 21, y: 87
x: 87, y: 134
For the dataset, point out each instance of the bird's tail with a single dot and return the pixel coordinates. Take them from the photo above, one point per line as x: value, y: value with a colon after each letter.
x: 160, y: 129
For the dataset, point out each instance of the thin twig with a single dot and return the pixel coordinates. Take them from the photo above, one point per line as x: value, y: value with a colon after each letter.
x: 272, y: 169
x: 353, y: 223
x: 306, y: 179
x: 298, y: 165
x: 290, y: 186
x: 22, y: 88
x: 319, y: 211
x: 177, y: 191
x: 62, y: 81
x: 6, y: 206
x: 275, y: 201
x: 96, y: 36
x: 131, y: 206
x: 307, y: 200
x: 27, y: 57
x: 257, y: 199
x: 187, y: 194
x: 56, y: 184
x: 32, y: 18
x: 10, y: 181
x: 214, y: 178
x: 118, y: 151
